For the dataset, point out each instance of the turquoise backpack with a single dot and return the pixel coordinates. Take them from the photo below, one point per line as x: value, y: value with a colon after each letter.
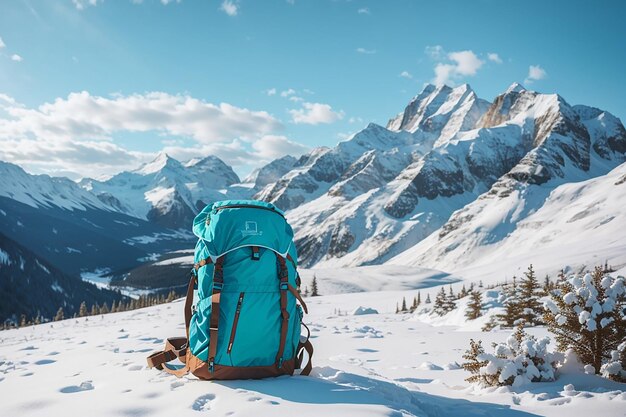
x: 246, y: 320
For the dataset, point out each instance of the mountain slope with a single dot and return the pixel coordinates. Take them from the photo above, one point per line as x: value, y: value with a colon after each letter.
x: 165, y: 191
x: 573, y: 223
x: 386, y: 189
x: 31, y: 286
x: 72, y: 229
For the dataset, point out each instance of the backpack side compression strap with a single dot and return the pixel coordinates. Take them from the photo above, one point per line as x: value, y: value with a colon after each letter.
x: 175, y: 347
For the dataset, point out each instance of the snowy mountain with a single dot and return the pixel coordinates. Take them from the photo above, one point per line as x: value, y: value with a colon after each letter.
x: 32, y: 286
x: 72, y: 229
x: 572, y: 223
x: 271, y: 172
x: 165, y: 191
x: 384, y: 190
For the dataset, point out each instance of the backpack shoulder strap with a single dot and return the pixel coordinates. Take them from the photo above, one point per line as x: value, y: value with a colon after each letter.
x: 308, y: 347
x: 175, y: 348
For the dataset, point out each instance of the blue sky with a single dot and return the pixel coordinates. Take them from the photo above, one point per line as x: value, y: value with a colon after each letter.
x: 91, y: 87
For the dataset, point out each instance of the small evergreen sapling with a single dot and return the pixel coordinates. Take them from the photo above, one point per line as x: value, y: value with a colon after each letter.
x: 520, y: 360
x: 440, y: 303
x: 314, y: 291
x: 588, y: 315
x: 475, y: 305
x: 530, y: 308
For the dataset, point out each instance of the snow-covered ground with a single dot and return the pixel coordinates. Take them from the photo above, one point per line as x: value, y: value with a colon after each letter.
x: 382, y: 364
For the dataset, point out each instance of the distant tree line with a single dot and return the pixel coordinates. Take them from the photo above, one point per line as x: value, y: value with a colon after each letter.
x: 94, y: 310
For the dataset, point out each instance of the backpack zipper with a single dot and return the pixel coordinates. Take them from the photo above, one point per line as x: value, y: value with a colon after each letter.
x: 247, y: 206
x: 235, y: 321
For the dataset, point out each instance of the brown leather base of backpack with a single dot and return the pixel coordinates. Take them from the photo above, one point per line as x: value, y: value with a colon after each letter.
x: 220, y: 372
x: 176, y: 348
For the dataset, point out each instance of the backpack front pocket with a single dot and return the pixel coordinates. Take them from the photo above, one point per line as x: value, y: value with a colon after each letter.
x: 233, y: 330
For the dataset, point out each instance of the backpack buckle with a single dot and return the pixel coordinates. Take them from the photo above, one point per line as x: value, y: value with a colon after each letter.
x: 284, y: 286
x: 218, y: 286
x: 211, y: 365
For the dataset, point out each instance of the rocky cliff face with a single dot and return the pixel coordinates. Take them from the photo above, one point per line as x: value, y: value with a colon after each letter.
x: 386, y: 189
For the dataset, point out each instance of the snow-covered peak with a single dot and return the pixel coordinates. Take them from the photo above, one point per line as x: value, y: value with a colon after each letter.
x: 515, y: 88
x: 162, y: 161
x: 271, y: 172
x: 45, y: 191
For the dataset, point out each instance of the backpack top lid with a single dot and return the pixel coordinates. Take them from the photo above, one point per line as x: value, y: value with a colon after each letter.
x: 227, y: 225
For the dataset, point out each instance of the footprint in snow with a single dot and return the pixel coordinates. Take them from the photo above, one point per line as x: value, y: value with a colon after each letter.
x: 44, y: 362
x: 204, y: 402
x: 254, y: 399
x: 176, y: 384
x: 366, y: 350
x: 135, y: 368
x: 53, y: 353
x: 85, y: 386
x: 29, y: 348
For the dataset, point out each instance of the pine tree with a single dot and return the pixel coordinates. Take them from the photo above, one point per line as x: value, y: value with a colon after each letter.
x: 547, y: 285
x: 463, y: 292
x: 471, y: 288
x: 473, y: 365
x: 427, y: 299
x: 450, y: 301
x: 531, y: 309
x: 23, y: 322
x: 59, y: 316
x: 577, y: 322
x: 441, y: 303
x: 170, y: 297
x: 95, y: 309
x: 475, y: 305
x: 419, y: 299
x: 82, y: 310
x: 404, y: 309
x: 314, y: 292
x: 414, y: 305
x: 480, y: 283
x: 113, y: 307
x: 512, y: 309
x: 397, y: 308
x: 306, y: 291
x: 104, y: 309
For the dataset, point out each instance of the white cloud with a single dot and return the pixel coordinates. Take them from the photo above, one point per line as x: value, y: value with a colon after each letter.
x: 296, y: 99
x: 270, y: 147
x: 454, y: 66
x: 2, y: 44
x: 355, y: 120
x: 435, y: 52
x: 315, y: 113
x: 78, y: 133
x: 406, y: 74
x: 366, y: 51
x: 493, y: 57
x: 16, y: 58
x: 271, y: 92
x: 288, y: 92
x: 535, y: 73
x: 81, y: 4
x: 363, y: 10
x: 166, y: 2
x: 229, y: 7
x: 83, y: 116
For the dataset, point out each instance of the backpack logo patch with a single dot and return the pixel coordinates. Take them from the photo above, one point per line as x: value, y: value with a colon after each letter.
x: 251, y: 229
